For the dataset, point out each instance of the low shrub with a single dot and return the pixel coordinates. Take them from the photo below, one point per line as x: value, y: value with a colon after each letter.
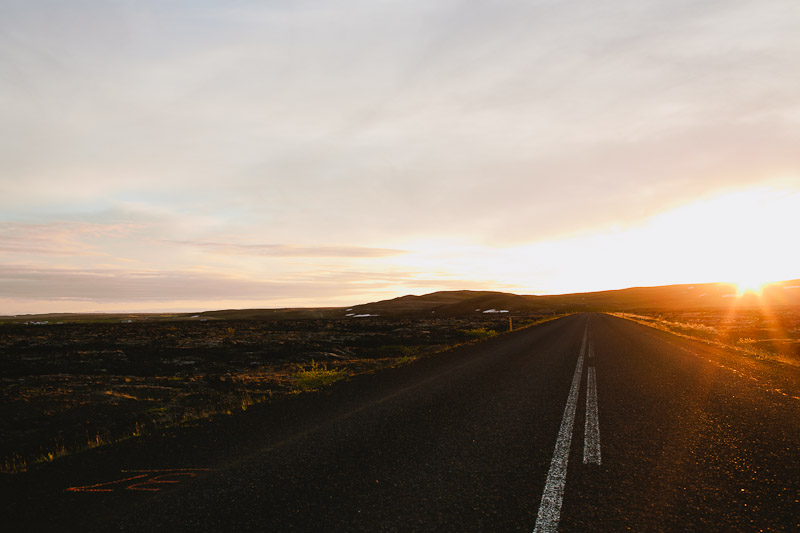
x: 316, y: 376
x: 479, y: 333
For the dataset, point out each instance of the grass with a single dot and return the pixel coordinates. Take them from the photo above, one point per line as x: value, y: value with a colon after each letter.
x: 708, y: 334
x: 315, y: 376
x: 406, y: 359
x: 47, y: 454
x: 150, y: 421
x: 479, y: 334
x: 242, y: 391
x: 398, y: 350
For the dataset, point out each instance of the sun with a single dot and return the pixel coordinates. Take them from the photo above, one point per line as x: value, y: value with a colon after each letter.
x: 750, y: 285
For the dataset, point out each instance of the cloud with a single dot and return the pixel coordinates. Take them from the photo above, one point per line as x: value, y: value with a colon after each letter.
x: 126, y: 287
x: 58, y: 238
x: 360, y: 123
x: 399, y: 111
x: 293, y: 250
x: 119, y: 285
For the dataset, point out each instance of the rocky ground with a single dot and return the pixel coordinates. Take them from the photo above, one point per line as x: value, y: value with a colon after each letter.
x: 70, y: 386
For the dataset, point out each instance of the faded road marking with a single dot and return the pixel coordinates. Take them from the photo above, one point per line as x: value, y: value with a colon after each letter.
x: 553, y: 495
x: 144, y: 481
x: 591, y: 436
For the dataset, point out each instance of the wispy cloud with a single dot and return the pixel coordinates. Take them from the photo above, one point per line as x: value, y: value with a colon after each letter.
x: 293, y: 250
x: 103, y: 285
x: 275, y: 139
x: 58, y: 238
x: 124, y: 286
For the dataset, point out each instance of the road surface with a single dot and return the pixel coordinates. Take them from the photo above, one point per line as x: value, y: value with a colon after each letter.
x: 586, y: 423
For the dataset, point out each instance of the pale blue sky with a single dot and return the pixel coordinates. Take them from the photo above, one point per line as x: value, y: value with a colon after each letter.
x: 194, y: 155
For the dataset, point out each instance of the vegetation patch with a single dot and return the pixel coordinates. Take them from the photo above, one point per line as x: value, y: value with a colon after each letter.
x: 65, y: 388
x: 315, y: 376
x: 398, y: 350
x: 773, y: 336
x: 479, y: 333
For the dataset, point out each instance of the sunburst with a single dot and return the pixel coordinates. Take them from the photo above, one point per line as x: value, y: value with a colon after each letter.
x: 750, y: 285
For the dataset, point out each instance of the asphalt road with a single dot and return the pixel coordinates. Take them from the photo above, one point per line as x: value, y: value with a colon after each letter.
x: 587, y: 423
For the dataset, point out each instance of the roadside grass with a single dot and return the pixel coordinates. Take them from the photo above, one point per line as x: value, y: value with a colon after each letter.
x: 398, y: 350
x: 16, y: 462
x: 406, y: 359
x: 242, y: 390
x: 526, y: 323
x: 315, y: 376
x: 479, y: 334
x: 151, y: 421
x: 709, y: 335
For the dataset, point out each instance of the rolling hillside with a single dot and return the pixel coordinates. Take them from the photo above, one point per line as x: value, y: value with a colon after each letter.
x: 668, y: 297
x: 466, y: 302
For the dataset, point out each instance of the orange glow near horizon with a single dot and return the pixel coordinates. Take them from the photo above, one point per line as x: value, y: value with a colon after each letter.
x: 752, y: 285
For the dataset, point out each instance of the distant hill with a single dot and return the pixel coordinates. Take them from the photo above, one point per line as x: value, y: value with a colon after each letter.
x: 447, y: 303
x: 679, y: 297
x: 668, y: 297
x: 462, y: 303
x: 55, y: 318
x: 272, y: 314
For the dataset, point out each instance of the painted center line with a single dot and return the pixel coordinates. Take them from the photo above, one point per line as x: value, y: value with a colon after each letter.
x: 553, y: 495
x: 591, y: 435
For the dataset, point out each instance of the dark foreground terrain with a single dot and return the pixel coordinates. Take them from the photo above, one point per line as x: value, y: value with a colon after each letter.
x: 586, y: 423
x: 68, y: 386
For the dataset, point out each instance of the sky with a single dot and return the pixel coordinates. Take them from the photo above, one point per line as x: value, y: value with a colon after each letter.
x: 192, y: 155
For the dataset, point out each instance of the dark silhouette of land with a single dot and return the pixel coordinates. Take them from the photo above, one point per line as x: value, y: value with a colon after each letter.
x: 698, y: 431
x: 459, y: 303
x: 691, y: 437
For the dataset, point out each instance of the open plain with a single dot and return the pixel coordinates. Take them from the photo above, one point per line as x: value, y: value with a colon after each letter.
x: 71, y: 386
x: 587, y: 422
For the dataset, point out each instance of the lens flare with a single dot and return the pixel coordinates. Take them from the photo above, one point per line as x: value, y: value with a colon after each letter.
x: 752, y: 285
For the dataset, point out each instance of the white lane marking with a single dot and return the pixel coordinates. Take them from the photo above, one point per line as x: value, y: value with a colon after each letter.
x: 591, y: 435
x: 550, y: 508
x: 585, y: 339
